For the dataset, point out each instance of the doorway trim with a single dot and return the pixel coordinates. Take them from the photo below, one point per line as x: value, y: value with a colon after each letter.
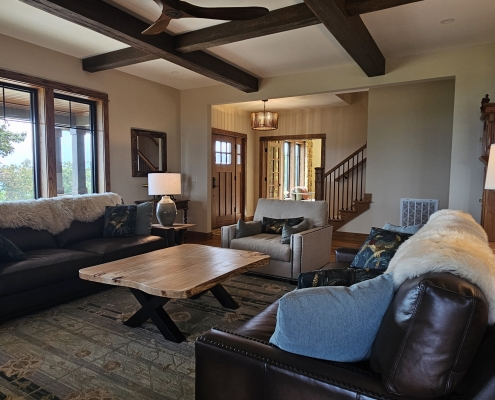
x: 263, y: 139
x: 243, y: 137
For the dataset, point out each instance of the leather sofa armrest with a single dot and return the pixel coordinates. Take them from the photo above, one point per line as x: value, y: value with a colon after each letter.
x: 311, y: 249
x: 345, y: 254
x: 231, y: 366
x: 227, y: 234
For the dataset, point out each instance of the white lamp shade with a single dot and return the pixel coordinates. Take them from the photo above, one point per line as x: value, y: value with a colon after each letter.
x: 164, y: 183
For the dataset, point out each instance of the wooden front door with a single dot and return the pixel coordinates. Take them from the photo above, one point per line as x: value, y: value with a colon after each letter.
x: 227, y: 179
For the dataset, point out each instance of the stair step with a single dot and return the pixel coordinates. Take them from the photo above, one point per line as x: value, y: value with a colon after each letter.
x: 348, y: 211
x: 364, y: 201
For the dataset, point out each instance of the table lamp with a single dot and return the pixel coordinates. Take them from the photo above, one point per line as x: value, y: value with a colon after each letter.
x: 164, y: 184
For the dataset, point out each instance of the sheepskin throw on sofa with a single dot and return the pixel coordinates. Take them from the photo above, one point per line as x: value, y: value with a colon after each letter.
x: 453, y: 242
x: 55, y: 214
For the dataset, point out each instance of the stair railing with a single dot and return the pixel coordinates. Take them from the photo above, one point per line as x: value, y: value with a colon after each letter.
x: 343, y: 184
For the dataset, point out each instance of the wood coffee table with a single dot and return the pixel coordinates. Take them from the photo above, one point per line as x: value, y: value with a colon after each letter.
x: 179, y: 272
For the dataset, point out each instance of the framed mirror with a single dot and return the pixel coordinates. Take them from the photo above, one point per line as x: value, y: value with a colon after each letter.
x: 149, y: 151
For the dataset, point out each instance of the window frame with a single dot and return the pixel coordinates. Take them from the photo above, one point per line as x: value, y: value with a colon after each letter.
x: 45, y: 117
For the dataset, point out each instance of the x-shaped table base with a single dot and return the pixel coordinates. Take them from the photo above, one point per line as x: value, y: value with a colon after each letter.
x: 152, y: 307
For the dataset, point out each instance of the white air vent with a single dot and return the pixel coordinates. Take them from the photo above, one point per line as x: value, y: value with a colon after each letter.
x: 416, y: 211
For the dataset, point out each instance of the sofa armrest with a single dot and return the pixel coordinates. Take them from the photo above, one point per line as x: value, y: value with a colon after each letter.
x: 345, y: 254
x: 310, y: 249
x: 231, y: 366
x: 227, y: 234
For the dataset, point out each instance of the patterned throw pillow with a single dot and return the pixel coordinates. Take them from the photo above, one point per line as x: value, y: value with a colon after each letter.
x: 273, y: 225
x: 379, y: 248
x: 120, y: 221
x: 9, y: 251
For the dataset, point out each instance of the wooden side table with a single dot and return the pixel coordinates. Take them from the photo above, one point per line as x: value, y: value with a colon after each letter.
x: 182, y: 204
x: 180, y: 232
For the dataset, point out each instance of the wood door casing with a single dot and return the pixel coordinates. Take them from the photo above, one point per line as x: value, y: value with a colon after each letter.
x: 227, y: 179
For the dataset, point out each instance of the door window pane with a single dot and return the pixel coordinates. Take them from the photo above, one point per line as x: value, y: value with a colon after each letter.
x: 74, y: 137
x: 17, y: 144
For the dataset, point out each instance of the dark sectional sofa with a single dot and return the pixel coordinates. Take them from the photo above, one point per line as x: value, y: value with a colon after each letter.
x: 50, y: 273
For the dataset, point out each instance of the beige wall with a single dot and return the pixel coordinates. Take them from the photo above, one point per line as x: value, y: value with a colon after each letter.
x: 471, y: 67
x: 134, y: 102
x: 409, y: 149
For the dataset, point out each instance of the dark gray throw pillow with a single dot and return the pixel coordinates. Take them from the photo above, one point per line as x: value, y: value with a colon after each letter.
x: 250, y: 228
x: 120, y: 221
x: 143, y: 219
x: 9, y: 251
x: 288, y: 231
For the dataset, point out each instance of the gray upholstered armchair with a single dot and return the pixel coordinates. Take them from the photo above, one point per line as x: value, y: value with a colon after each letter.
x: 307, y: 250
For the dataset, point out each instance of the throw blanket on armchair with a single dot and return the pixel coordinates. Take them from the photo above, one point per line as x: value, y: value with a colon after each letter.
x: 453, y: 242
x: 55, y: 214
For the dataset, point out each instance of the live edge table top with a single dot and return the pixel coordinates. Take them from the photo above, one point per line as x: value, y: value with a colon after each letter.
x: 176, y: 272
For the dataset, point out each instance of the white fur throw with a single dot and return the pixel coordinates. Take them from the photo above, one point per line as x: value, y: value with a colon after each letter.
x: 453, y: 242
x: 55, y: 214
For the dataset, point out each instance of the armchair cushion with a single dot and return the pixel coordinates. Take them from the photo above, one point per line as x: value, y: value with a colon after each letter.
x: 263, y: 243
x: 288, y: 231
x: 250, y: 228
x: 340, y: 323
x: 275, y: 225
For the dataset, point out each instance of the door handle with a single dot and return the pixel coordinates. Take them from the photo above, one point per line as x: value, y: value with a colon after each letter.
x: 214, y: 182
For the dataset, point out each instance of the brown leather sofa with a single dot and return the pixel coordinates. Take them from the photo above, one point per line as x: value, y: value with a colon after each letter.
x: 242, y: 365
x: 50, y: 273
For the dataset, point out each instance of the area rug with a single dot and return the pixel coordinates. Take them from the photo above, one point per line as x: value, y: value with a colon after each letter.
x: 81, y: 350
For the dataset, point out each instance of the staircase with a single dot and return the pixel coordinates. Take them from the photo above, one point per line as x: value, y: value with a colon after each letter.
x: 343, y: 189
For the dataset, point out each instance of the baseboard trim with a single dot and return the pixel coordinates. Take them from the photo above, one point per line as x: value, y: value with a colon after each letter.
x: 199, y: 236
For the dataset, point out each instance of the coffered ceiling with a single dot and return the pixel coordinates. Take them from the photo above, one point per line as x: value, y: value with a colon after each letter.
x: 407, y: 29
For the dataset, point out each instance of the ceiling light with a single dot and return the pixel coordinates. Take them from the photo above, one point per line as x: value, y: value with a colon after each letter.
x: 447, y: 21
x: 264, y: 120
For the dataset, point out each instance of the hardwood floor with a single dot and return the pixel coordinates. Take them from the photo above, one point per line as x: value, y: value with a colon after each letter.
x: 339, y: 239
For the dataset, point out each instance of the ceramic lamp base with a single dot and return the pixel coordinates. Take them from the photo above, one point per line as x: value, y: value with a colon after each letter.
x: 166, y: 211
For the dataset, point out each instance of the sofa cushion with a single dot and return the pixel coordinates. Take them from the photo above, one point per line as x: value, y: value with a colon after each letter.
x: 265, y: 243
x: 335, y: 323
x: 28, y: 239
x: 9, y: 251
x: 275, y: 226
x: 80, y: 231
x: 43, y: 267
x: 261, y: 326
x: 112, y: 249
x: 120, y: 221
x: 249, y: 228
x: 379, y: 248
x: 429, y: 335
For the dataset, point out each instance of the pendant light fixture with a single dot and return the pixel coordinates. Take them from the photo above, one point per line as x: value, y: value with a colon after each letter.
x: 265, y: 120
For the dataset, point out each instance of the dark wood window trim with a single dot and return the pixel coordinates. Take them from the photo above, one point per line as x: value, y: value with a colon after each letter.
x: 263, y: 139
x: 219, y: 131
x: 46, y: 126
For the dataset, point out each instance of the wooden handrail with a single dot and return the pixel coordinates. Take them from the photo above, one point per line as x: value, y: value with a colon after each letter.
x: 347, y: 159
x: 146, y: 161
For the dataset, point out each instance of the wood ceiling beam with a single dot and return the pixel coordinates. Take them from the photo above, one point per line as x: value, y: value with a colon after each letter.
x: 116, y: 59
x: 117, y: 24
x: 351, y: 33
x: 276, y: 21
x: 356, y: 7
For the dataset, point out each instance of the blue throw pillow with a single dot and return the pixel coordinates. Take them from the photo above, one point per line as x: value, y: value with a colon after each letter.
x: 120, y: 221
x: 288, y: 231
x: 9, y: 251
x: 144, y: 215
x: 378, y: 249
x: 335, y: 323
x: 411, y: 229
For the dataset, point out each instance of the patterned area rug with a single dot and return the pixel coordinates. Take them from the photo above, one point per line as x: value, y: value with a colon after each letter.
x: 81, y: 350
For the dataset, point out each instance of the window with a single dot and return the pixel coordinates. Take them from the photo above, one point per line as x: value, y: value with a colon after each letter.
x: 57, y: 148
x: 297, y: 164
x: 223, y: 152
x: 286, y: 169
x: 18, y: 139
x: 75, y: 144
x: 294, y: 166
